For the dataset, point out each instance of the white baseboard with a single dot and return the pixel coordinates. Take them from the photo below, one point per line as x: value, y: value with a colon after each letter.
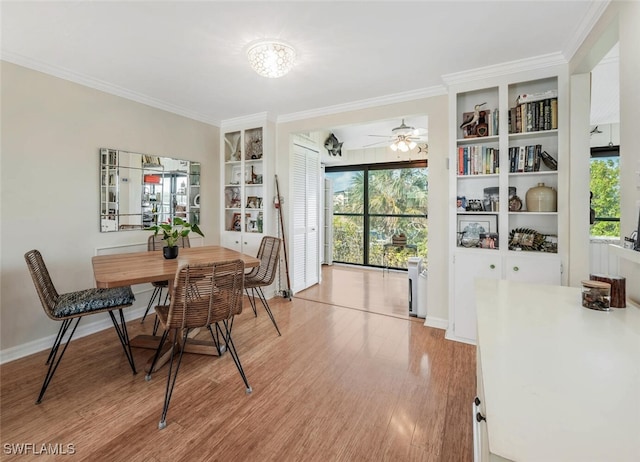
x: 98, y: 323
x: 437, y: 323
x: 449, y: 336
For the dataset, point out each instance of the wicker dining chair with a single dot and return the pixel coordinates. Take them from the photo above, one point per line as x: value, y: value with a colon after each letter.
x: 263, y: 275
x: 75, y: 305
x: 204, y: 295
x: 155, y: 242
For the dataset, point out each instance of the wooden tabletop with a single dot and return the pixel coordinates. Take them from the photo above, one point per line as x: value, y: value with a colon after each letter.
x: 140, y: 267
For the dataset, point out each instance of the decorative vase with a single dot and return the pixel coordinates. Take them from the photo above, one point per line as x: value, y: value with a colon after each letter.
x: 542, y: 198
x: 170, y: 252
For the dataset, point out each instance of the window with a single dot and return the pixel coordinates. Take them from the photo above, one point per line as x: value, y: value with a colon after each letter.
x: 371, y: 203
x: 605, y: 190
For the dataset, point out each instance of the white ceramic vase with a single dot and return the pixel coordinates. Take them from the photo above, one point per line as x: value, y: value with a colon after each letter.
x: 542, y: 198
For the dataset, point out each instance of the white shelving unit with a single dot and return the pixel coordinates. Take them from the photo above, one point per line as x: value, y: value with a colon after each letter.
x: 247, y: 157
x: 497, y: 242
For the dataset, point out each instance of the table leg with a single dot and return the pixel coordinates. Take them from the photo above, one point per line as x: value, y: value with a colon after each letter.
x: 202, y: 347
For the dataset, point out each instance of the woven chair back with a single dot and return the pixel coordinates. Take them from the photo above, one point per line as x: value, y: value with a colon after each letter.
x: 268, y: 253
x: 155, y: 242
x: 41, y: 279
x: 205, y: 294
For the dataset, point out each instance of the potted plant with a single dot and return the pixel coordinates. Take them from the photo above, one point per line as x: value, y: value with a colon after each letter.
x: 172, y: 231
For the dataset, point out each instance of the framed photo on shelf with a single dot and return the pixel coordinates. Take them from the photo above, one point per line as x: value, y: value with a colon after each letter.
x: 489, y: 240
x: 461, y: 203
x: 253, y: 202
x: 472, y: 225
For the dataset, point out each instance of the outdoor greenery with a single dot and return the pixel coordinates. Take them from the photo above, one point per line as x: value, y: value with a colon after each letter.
x: 392, y: 195
x: 605, y: 186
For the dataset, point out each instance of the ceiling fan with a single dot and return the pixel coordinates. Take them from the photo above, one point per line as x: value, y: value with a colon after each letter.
x: 403, y: 137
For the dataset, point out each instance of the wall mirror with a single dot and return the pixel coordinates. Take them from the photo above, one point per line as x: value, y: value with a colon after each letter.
x: 139, y: 190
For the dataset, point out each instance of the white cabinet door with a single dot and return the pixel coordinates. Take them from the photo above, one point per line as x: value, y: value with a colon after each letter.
x: 247, y: 243
x: 467, y: 268
x: 535, y: 269
x: 231, y: 241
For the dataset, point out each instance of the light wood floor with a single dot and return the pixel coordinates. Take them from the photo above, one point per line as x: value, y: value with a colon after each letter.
x: 341, y: 384
x: 386, y: 292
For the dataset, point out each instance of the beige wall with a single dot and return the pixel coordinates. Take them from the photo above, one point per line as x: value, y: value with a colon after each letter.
x: 51, y: 131
x: 619, y: 23
x: 436, y: 108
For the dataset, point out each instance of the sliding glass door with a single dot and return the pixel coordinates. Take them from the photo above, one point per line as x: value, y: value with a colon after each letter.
x: 372, y: 203
x: 348, y: 215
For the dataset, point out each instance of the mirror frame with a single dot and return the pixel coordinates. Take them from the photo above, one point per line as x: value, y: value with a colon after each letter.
x: 138, y: 190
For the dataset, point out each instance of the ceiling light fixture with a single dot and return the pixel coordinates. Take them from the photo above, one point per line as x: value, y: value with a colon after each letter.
x: 404, y: 134
x: 403, y: 143
x: 271, y: 59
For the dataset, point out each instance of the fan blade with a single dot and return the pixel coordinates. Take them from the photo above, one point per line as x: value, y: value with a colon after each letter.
x: 383, y: 136
x: 373, y: 144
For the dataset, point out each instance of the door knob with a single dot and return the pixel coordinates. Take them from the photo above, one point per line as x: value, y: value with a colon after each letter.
x: 515, y: 268
x: 492, y: 266
x: 480, y: 417
x: 477, y: 401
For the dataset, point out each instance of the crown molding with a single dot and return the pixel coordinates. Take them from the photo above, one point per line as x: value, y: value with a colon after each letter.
x: 244, y: 121
x: 511, y: 67
x: 437, y: 90
x: 591, y: 17
x: 103, y: 86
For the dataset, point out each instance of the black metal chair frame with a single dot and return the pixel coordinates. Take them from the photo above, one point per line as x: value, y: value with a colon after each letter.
x: 172, y: 374
x: 49, y: 296
x: 263, y: 275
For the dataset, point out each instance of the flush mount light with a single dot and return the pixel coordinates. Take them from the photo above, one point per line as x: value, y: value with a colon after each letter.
x: 271, y: 59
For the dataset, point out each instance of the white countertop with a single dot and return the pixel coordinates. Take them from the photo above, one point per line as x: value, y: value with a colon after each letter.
x: 561, y: 382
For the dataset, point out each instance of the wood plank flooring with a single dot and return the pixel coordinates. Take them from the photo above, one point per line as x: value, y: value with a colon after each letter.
x: 387, y: 292
x: 341, y: 384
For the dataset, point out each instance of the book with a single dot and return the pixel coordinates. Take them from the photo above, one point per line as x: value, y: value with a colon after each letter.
x: 537, y: 96
x: 521, y: 159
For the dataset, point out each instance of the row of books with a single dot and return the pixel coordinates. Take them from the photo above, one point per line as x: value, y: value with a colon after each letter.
x: 525, y: 158
x: 478, y: 160
x: 534, y: 116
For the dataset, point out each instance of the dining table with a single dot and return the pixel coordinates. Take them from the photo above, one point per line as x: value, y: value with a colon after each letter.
x: 125, y: 269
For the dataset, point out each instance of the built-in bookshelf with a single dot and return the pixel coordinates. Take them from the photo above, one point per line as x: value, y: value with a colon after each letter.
x: 247, y: 160
x: 506, y: 140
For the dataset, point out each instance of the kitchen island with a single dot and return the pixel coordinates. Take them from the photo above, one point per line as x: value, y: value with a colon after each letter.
x: 556, y: 381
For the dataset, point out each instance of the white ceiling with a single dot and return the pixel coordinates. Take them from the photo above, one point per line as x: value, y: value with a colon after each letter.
x: 189, y: 57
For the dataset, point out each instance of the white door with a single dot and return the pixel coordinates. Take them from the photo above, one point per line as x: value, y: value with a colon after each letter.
x: 306, y: 188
